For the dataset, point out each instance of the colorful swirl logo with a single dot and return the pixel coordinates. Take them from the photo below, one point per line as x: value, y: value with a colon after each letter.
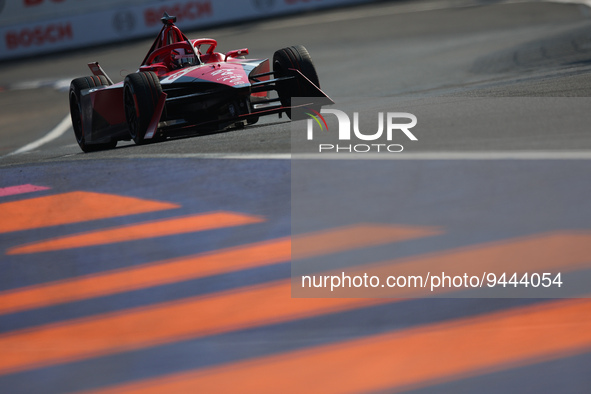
x: 317, y: 117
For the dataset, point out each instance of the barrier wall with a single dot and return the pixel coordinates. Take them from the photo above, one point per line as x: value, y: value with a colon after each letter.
x: 30, y: 27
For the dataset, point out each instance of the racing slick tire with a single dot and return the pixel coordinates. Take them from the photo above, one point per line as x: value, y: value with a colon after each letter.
x: 76, y: 87
x: 142, y: 91
x: 284, y: 61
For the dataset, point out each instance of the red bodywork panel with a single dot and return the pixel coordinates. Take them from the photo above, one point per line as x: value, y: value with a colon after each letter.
x: 222, y: 73
x: 108, y: 102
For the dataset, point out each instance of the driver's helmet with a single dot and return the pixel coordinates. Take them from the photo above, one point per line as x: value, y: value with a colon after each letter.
x: 182, y: 58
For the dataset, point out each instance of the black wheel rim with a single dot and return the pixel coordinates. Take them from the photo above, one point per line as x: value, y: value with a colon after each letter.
x: 283, y: 89
x: 277, y: 69
x: 131, y: 113
x: 75, y: 112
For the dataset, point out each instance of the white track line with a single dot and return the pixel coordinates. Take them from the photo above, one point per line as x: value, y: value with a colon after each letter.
x: 467, y: 155
x: 583, y: 2
x: 57, y: 132
x: 471, y: 155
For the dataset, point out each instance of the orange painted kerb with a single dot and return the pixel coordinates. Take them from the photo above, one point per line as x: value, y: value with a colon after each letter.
x: 160, y: 324
x: 406, y: 359
x: 200, y: 265
x: 132, y: 232
x: 73, y: 207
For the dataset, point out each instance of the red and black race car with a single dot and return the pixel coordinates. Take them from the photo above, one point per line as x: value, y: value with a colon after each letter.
x: 184, y: 85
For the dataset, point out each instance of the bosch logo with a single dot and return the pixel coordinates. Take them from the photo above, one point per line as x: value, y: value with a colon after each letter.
x: 32, y: 3
x: 39, y: 35
x: 190, y: 11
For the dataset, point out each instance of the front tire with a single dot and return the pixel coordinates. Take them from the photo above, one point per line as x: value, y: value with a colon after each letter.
x: 141, y: 94
x: 284, y: 62
x: 76, y: 88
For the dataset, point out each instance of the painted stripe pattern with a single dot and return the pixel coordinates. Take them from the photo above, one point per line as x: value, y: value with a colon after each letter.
x: 21, y: 189
x: 395, y: 359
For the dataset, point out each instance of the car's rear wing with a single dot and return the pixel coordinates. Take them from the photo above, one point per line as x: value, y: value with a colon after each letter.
x: 98, y: 71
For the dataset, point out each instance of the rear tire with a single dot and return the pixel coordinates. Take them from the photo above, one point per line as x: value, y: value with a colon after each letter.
x: 298, y: 58
x: 141, y: 94
x: 76, y: 87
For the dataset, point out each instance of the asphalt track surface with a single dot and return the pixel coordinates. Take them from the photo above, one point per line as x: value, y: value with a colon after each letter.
x: 166, y: 268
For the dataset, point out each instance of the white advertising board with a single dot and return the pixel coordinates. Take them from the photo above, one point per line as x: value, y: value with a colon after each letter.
x: 123, y: 20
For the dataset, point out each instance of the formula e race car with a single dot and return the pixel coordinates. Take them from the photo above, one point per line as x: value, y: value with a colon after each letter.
x: 183, y: 85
